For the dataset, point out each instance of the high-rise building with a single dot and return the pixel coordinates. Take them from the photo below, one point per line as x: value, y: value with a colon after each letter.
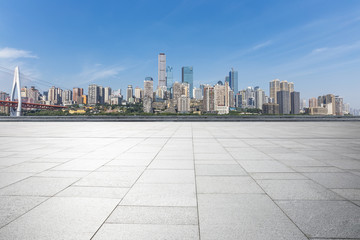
x: 197, y: 93
x: 259, y: 98
x: 169, y: 77
x: 183, y: 104
x: 77, y: 93
x: 283, y: 101
x: 339, y: 102
x: 233, y: 80
x: 274, y: 88
x: 148, y: 87
x: 138, y: 93
x: 187, y: 76
x: 162, y: 70
x: 101, y: 94
x: 303, y: 104
x: 208, y: 99
x: 94, y: 94
x: 107, y: 95
x: 295, y: 102
x: 270, y: 108
x: 129, y: 93
x: 313, y: 102
x: 54, y: 96
x: 67, y: 97
x: 327, y: 101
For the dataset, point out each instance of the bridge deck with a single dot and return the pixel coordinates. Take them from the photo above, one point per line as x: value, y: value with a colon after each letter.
x: 150, y: 180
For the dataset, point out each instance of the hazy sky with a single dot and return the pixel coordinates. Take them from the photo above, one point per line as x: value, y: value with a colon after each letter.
x: 313, y: 43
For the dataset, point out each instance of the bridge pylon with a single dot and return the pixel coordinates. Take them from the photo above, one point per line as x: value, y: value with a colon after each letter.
x: 16, y: 88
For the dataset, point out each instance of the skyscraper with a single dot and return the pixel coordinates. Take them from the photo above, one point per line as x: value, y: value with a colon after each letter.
x: 259, y: 98
x: 169, y: 77
x: 129, y: 93
x: 77, y: 93
x: 274, y: 88
x: 94, y: 94
x: 233, y: 80
x: 148, y: 87
x: 208, y: 99
x: 138, y: 93
x: 295, y: 102
x: 162, y: 70
x: 188, y: 77
x: 107, y: 95
x: 283, y: 101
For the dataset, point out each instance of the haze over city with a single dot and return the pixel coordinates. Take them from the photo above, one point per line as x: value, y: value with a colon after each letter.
x: 116, y: 43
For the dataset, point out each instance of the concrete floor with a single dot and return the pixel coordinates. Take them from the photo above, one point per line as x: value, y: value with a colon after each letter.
x: 168, y: 180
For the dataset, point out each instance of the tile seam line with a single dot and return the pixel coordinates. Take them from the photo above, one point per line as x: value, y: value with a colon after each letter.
x: 53, y: 194
x: 102, y: 224
x: 267, y: 194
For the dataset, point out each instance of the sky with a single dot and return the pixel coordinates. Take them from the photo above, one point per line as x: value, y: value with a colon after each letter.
x: 313, y: 43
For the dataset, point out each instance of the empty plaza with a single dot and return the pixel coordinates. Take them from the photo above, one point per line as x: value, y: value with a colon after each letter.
x: 180, y: 180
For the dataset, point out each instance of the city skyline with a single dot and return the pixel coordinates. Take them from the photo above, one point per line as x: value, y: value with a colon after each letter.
x: 318, y: 52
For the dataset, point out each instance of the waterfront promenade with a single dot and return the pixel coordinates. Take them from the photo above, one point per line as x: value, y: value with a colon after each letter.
x: 180, y: 180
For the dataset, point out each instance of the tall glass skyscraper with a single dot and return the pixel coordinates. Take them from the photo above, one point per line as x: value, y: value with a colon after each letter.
x: 169, y: 76
x: 162, y: 70
x: 188, y: 77
x: 233, y: 81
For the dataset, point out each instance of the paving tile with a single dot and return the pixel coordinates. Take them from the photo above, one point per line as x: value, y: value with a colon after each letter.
x: 109, y: 179
x: 167, y: 176
x: 28, y: 167
x: 296, y: 189
x: 228, y: 184
x: 37, y: 186
x: 61, y: 218
x: 12, y: 207
x: 94, y: 192
x: 154, y: 215
x: 161, y: 195
x: 243, y: 216
x: 324, y: 219
x: 335, y: 180
x: 147, y: 232
x: 351, y: 194
x: 10, y: 178
x: 264, y: 166
x: 219, y: 170
x: 175, y: 164
x: 277, y: 176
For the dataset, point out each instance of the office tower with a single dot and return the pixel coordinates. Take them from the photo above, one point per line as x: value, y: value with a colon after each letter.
x: 148, y: 87
x: 162, y: 70
x: 313, y: 102
x: 283, y: 101
x: 129, y: 93
x: 138, y: 93
x: 77, y: 93
x: 219, y: 95
x: 101, y: 94
x: 339, y: 102
x: 270, y: 108
x: 94, y: 94
x: 295, y: 102
x: 169, y: 77
x: 233, y: 80
x: 177, y: 91
x: 185, y: 89
x: 67, y: 97
x: 274, y: 88
x: 197, y: 94
x: 208, y: 99
x: 284, y: 86
x: 327, y: 101
x: 259, y: 98
x: 227, y: 79
x: 302, y: 104
x: 188, y: 77
x: 291, y: 87
x: 107, y: 95
x: 183, y: 104
x: 55, y: 95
